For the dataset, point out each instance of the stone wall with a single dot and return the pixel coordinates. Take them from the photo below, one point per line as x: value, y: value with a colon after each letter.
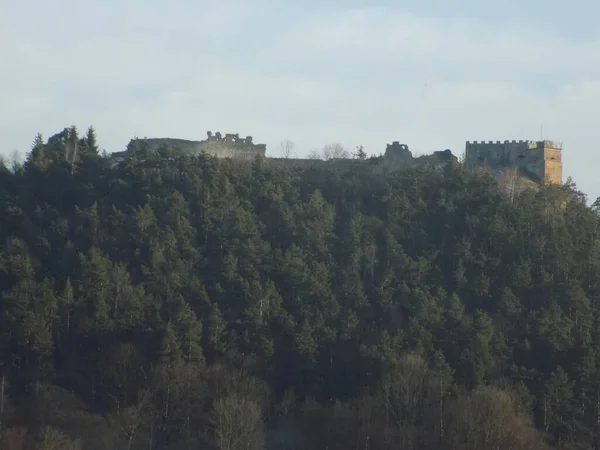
x: 396, y: 156
x: 553, y: 164
x: 306, y: 163
x: 243, y: 149
x: 537, y: 160
x: 229, y: 146
x: 397, y: 152
x: 232, y: 146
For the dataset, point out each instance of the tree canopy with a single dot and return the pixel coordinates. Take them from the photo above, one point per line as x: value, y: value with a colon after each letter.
x: 176, y: 301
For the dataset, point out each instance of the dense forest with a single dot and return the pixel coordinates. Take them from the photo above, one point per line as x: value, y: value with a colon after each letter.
x: 186, y: 302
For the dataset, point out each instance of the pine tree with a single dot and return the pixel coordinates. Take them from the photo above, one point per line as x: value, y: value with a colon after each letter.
x: 91, y: 141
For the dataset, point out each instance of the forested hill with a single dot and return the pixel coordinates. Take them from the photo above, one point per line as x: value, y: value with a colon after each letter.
x: 186, y: 302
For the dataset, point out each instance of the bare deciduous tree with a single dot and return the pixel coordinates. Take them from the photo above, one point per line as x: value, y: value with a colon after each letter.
x: 402, y: 391
x: 135, y: 417
x: 314, y: 154
x: 286, y: 148
x: 490, y: 418
x: 238, y: 424
x: 228, y: 381
x: 16, y: 161
x: 512, y: 183
x: 52, y: 439
x: 335, y: 150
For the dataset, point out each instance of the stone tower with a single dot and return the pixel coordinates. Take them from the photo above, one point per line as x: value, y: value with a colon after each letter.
x: 538, y: 160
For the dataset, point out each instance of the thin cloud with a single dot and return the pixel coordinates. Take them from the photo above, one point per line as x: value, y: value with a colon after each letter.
x: 362, y: 76
x: 396, y: 38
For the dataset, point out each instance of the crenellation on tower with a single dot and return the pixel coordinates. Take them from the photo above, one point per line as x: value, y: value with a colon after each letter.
x: 538, y: 160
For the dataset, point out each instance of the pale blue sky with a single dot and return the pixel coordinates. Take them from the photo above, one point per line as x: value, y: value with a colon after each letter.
x: 431, y: 74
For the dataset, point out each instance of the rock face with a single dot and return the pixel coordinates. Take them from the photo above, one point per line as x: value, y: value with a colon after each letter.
x: 540, y: 161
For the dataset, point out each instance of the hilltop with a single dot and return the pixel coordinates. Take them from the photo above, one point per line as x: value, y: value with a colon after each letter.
x: 178, y: 300
x: 520, y: 164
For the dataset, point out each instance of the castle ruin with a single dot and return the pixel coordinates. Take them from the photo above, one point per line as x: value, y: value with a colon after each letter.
x: 540, y: 161
x: 398, y: 152
x: 234, y: 147
x: 229, y: 146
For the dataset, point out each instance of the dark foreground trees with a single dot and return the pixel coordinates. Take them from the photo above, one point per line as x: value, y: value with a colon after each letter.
x: 177, y: 302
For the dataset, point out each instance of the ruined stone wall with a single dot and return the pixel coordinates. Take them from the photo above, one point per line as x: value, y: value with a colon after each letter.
x: 397, y: 156
x: 536, y: 160
x: 230, y: 146
x: 397, y: 152
x: 306, y: 163
x: 154, y: 144
x: 539, y: 161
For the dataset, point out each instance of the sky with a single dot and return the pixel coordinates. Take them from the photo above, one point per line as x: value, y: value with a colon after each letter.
x: 431, y: 74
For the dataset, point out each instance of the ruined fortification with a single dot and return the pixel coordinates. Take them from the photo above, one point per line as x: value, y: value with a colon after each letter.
x: 230, y: 146
x: 540, y: 161
x: 397, y: 153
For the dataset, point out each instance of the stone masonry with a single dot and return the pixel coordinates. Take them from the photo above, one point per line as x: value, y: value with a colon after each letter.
x: 541, y: 161
x: 229, y: 146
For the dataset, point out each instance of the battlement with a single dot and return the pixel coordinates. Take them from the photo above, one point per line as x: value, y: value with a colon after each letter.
x: 229, y: 146
x: 530, y: 144
x: 232, y: 146
x: 538, y: 160
x: 229, y: 138
x: 541, y: 161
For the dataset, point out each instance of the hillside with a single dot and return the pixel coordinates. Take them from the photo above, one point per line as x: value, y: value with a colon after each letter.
x: 179, y: 301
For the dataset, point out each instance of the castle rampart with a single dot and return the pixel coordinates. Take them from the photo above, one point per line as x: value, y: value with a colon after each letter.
x: 230, y: 146
x: 539, y: 160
